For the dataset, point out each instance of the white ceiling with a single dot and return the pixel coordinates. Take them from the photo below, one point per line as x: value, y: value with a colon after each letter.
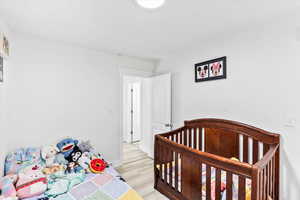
x: 121, y: 26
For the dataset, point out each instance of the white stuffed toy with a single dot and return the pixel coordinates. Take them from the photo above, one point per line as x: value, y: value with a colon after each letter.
x: 49, y: 154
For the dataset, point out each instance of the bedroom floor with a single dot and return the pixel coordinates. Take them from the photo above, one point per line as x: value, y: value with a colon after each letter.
x: 137, y: 170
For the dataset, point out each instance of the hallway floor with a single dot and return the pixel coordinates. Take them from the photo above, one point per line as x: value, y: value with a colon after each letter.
x: 137, y: 170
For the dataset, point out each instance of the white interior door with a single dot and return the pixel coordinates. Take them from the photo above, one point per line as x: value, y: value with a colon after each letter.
x: 161, y: 106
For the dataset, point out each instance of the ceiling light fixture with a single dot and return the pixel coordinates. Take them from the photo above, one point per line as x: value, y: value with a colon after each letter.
x: 150, y: 4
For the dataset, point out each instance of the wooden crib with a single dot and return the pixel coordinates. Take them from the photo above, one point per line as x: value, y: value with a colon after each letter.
x: 181, y: 154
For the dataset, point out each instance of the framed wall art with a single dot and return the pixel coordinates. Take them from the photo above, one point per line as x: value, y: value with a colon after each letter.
x: 211, y: 70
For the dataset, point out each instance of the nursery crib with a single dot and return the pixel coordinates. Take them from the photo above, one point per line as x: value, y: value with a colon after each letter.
x: 217, y: 159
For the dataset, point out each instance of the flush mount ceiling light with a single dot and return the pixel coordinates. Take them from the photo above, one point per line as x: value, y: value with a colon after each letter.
x: 150, y: 4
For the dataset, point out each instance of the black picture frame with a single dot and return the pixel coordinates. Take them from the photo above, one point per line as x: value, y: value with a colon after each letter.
x: 214, y: 69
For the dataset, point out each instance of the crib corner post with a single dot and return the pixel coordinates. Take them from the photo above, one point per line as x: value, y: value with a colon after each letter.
x: 277, y: 173
x: 255, y: 187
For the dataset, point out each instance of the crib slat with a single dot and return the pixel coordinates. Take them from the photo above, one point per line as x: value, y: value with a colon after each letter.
x: 200, y: 181
x: 159, y: 158
x: 255, y: 151
x: 218, y: 184
x: 264, y: 185
x: 266, y: 148
x: 228, y: 186
x: 171, y: 171
x: 190, y: 137
x: 242, y: 185
x: 195, y: 138
x: 177, y: 137
x: 208, y: 182
x: 245, y: 149
x: 185, y: 135
x: 200, y: 138
x: 268, y: 179
x: 176, y: 172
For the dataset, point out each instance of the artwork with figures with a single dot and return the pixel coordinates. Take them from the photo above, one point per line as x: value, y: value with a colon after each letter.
x: 211, y: 70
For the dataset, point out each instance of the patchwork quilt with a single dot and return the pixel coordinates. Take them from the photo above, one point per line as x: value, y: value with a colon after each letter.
x: 106, y: 186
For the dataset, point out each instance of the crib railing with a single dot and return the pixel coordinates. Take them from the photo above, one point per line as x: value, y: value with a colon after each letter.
x: 181, y: 156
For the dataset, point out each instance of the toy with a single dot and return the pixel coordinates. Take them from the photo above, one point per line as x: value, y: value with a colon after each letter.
x: 7, y: 187
x: 49, y: 154
x: 53, y: 169
x: 73, y: 167
x: 97, y: 165
x: 31, y: 182
x: 66, y: 146
x: 74, y: 155
x: 21, y: 158
x: 84, y: 161
x: 60, y: 159
x: 86, y: 146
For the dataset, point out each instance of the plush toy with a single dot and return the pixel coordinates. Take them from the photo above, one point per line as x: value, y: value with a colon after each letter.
x: 8, y: 190
x: 21, y: 158
x: 86, y: 146
x: 49, y: 154
x: 31, y: 182
x: 66, y: 146
x: 53, y: 169
x: 97, y: 165
x: 84, y: 161
x: 73, y: 167
x: 74, y: 155
x: 60, y: 159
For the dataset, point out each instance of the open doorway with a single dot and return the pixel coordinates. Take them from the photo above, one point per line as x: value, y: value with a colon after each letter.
x: 146, y: 111
x: 132, y: 132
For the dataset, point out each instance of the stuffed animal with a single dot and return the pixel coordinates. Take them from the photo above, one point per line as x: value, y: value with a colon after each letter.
x: 31, y: 182
x: 73, y: 167
x: 49, y: 154
x: 74, y: 155
x: 84, y: 161
x: 66, y: 146
x: 97, y: 165
x: 8, y: 190
x: 60, y: 159
x: 21, y: 158
x: 53, y: 169
x: 86, y: 146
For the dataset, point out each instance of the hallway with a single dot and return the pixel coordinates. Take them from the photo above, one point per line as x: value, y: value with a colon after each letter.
x: 137, y: 170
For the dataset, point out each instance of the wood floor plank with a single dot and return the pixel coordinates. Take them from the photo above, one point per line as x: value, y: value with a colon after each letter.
x: 137, y: 170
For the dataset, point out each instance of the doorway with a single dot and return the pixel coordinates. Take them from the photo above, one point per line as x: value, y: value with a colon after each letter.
x: 132, y: 109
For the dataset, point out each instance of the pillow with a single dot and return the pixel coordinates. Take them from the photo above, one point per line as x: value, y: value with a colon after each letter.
x: 21, y: 158
x: 31, y: 182
x: 7, y: 186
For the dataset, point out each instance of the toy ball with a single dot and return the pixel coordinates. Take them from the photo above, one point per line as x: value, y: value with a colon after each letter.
x: 97, y: 165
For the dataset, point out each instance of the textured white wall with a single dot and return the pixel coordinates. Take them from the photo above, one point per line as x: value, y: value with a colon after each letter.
x: 262, y: 88
x: 53, y: 90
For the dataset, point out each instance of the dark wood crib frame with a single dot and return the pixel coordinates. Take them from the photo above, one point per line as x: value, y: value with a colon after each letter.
x: 213, y: 142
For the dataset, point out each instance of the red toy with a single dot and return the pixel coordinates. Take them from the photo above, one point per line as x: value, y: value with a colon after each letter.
x: 97, y: 165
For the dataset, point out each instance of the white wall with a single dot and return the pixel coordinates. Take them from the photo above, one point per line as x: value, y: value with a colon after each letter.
x: 3, y: 28
x: 53, y: 90
x: 262, y: 87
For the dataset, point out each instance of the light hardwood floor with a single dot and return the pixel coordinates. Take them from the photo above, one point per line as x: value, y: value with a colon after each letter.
x: 137, y: 170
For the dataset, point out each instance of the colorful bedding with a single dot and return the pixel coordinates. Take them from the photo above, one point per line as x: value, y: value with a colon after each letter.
x: 106, y: 186
x: 63, y: 178
x: 213, y: 182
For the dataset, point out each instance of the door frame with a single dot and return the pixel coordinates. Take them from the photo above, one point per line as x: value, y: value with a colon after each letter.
x: 125, y: 71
